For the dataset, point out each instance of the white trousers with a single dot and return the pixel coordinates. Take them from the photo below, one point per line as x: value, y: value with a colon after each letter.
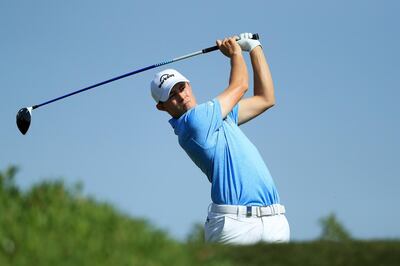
x: 238, y: 229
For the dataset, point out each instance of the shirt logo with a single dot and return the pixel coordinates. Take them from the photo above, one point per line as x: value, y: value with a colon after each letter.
x: 164, y: 77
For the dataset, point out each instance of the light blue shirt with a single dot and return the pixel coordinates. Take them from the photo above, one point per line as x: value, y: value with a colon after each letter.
x: 231, y: 162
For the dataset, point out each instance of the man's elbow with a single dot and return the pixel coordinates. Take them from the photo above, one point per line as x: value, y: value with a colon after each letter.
x: 269, y: 103
x: 272, y: 103
x: 243, y: 87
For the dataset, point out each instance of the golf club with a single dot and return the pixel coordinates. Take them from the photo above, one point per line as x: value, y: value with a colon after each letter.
x: 24, y: 115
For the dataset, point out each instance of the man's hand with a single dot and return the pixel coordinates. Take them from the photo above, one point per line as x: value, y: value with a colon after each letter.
x: 247, y: 43
x: 229, y: 46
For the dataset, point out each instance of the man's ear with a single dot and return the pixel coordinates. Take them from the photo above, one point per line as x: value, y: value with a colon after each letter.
x: 160, y: 106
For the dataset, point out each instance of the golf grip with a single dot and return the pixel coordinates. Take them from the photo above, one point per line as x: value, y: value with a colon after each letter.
x: 213, y: 48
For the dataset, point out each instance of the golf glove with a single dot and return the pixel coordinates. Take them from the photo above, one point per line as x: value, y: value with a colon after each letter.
x: 247, y: 43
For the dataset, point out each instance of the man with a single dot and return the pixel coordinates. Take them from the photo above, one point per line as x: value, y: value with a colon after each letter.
x: 245, y: 206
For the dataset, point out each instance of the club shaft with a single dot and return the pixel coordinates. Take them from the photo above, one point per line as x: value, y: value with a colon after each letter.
x: 119, y: 77
x: 203, y: 51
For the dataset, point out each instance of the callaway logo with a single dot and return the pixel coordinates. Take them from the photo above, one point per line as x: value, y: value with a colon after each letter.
x: 164, y: 77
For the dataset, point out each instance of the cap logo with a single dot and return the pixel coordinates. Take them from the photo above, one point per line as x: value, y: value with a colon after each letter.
x: 164, y: 77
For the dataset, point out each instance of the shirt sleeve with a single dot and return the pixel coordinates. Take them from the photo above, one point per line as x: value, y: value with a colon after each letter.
x: 234, y: 114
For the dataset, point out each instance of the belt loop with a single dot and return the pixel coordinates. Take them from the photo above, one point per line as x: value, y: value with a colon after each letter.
x: 258, y: 211
x: 248, y: 211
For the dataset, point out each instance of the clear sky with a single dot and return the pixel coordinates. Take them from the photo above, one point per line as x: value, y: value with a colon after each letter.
x: 331, y: 142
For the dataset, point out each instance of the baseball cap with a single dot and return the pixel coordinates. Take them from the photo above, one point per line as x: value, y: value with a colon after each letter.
x: 163, y: 82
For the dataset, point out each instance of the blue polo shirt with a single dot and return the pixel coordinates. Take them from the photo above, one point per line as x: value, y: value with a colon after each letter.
x: 225, y: 155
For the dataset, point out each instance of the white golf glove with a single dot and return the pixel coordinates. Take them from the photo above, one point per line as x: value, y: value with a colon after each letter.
x: 247, y: 43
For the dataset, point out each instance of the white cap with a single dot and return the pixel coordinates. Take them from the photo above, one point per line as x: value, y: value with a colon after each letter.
x: 163, y: 82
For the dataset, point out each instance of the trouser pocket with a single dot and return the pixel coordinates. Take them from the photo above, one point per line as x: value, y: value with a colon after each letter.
x: 213, y: 227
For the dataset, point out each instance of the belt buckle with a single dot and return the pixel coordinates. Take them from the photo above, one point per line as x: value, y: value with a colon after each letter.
x: 248, y: 211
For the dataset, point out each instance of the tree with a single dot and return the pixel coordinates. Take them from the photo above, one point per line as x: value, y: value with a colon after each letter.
x: 7, y: 178
x: 333, y: 230
x: 196, y: 235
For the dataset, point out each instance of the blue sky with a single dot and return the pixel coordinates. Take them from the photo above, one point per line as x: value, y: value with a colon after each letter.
x: 331, y: 142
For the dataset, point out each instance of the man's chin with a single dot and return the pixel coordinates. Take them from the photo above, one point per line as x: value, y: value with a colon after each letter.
x: 189, y: 106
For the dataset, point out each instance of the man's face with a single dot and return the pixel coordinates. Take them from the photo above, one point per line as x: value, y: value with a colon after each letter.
x: 180, y: 100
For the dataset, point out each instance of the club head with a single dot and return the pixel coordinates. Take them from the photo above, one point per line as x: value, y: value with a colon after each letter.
x: 24, y: 119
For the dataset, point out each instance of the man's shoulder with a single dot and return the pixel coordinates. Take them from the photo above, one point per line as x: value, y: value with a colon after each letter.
x: 199, y: 108
x: 199, y: 114
x: 208, y: 105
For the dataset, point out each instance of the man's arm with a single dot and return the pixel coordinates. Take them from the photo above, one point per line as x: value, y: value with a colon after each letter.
x: 263, y: 88
x: 239, y: 79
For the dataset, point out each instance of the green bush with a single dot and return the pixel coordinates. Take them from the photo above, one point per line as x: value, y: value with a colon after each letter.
x: 51, y: 224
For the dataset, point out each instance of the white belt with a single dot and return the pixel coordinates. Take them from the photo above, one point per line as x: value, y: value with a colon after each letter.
x: 248, y: 211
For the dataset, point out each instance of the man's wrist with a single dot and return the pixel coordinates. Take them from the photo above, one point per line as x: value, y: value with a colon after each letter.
x: 259, y: 45
x: 256, y: 49
x: 236, y: 54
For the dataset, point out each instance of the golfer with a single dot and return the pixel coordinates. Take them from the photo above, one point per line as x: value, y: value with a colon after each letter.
x: 245, y: 206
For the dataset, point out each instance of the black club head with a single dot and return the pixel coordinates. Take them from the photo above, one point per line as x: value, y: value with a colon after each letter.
x: 24, y: 119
